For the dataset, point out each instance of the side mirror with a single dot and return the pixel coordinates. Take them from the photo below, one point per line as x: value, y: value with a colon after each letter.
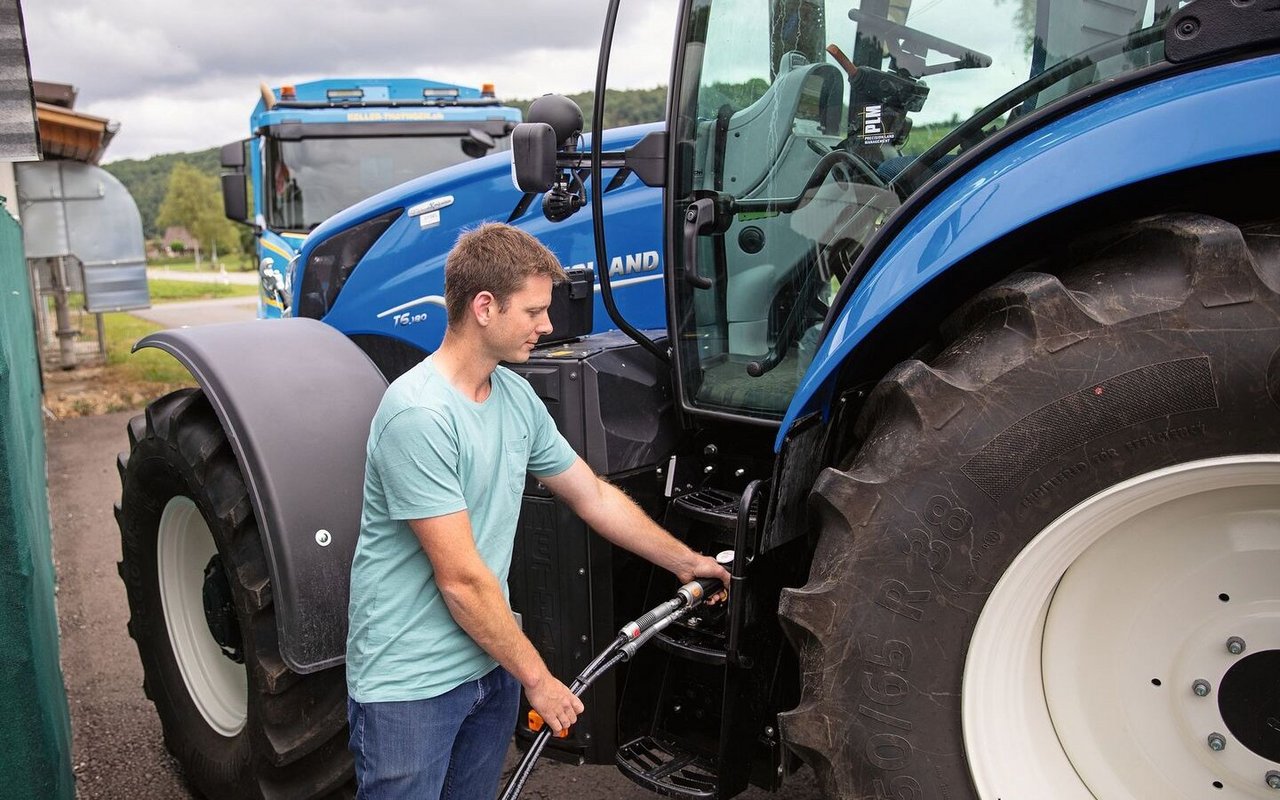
x: 232, y: 156
x: 477, y: 143
x: 555, y: 122
x: 533, y: 157
x: 235, y: 197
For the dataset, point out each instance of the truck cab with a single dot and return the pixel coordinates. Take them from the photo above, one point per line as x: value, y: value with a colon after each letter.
x: 321, y: 146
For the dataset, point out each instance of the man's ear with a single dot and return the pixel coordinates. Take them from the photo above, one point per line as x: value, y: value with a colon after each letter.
x: 483, y: 307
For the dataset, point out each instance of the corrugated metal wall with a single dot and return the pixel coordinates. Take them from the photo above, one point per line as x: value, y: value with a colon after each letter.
x: 35, y: 727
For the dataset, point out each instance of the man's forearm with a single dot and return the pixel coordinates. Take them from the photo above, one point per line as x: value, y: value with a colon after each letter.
x: 618, y: 518
x: 479, y: 608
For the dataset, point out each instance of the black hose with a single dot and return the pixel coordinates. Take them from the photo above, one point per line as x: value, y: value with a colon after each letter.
x: 602, y: 664
x: 633, y: 636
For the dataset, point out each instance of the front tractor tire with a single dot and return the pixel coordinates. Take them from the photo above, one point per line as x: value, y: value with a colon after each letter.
x: 1049, y: 567
x: 241, y: 723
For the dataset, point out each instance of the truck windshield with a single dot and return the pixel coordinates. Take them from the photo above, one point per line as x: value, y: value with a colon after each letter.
x: 846, y: 109
x: 309, y: 180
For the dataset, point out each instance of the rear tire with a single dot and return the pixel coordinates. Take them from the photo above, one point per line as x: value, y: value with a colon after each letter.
x: 189, y: 541
x: 1089, y: 467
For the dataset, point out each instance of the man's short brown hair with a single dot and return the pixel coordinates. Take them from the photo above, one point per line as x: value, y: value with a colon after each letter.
x: 495, y: 258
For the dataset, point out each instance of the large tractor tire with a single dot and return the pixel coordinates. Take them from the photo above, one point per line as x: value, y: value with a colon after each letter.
x: 1050, y: 565
x: 241, y: 723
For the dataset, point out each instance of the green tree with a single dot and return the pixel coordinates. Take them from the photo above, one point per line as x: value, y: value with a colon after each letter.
x: 194, y: 202
x: 147, y: 180
x: 621, y: 106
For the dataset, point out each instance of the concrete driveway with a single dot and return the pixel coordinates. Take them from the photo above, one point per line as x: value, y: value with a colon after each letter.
x: 200, y: 312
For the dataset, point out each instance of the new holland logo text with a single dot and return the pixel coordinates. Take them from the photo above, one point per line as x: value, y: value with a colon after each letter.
x: 629, y: 264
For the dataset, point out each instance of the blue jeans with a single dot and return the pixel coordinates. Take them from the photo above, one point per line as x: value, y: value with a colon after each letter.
x: 449, y: 747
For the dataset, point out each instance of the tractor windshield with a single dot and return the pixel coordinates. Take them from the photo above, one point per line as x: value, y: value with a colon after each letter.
x: 308, y: 180
x: 803, y: 124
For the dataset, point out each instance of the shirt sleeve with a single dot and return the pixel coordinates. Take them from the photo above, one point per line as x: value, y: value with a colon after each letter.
x: 417, y: 459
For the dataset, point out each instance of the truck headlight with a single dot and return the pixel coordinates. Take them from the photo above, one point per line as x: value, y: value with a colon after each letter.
x: 332, y: 261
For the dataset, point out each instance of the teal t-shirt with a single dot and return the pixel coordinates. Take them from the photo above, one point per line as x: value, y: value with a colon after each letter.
x: 432, y: 452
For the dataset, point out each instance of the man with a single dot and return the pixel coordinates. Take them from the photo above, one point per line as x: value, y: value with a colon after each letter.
x: 435, y: 660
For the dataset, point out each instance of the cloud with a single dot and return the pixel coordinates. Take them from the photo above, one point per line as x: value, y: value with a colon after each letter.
x: 183, y: 74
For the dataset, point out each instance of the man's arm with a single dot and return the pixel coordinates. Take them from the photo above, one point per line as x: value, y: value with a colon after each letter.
x: 476, y: 602
x: 617, y: 518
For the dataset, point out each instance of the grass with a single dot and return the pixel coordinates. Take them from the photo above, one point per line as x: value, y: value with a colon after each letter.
x: 163, y: 291
x: 127, y: 381
x: 148, y: 365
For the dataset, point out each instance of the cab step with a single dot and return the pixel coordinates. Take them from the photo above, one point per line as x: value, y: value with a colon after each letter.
x: 664, y: 768
x: 716, y: 507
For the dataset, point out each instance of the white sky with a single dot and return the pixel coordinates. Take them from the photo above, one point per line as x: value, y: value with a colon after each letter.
x: 183, y: 75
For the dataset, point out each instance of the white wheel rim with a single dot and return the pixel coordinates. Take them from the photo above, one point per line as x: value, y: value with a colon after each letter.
x: 1058, y: 697
x: 217, y: 685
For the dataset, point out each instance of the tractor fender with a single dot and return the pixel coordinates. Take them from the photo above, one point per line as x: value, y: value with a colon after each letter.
x: 295, y: 398
x: 1205, y: 117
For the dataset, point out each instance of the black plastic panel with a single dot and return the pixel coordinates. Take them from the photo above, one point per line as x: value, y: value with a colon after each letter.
x: 560, y: 585
x: 609, y: 397
x: 1211, y: 28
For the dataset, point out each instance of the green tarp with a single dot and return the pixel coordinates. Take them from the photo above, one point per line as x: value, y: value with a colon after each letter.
x: 35, y: 728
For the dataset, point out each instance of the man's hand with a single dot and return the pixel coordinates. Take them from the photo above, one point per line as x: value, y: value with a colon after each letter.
x: 553, y: 701
x: 704, y: 567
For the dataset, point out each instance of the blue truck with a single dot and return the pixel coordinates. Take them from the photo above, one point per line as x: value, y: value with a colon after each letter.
x: 985, y: 402
x: 320, y: 146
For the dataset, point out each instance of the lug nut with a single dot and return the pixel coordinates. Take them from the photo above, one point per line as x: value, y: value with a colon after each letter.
x: 1217, y: 743
x: 1273, y: 779
x: 1201, y: 687
x: 1235, y: 645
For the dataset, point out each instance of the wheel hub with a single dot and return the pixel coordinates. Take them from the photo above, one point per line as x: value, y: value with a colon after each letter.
x: 1249, y: 702
x: 220, y: 610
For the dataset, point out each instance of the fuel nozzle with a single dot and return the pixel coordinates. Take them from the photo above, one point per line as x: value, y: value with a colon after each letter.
x: 688, y: 597
x: 698, y: 591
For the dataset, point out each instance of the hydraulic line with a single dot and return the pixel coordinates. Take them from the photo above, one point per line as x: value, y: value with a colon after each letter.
x: 631, y: 638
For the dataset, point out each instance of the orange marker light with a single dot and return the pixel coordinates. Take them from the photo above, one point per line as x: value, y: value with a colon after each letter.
x: 536, y: 722
x: 486, y: 90
x: 288, y: 93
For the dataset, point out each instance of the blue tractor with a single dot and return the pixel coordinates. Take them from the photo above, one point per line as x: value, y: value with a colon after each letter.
x: 986, y: 402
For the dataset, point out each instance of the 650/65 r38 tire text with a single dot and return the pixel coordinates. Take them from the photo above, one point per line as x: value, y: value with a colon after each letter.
x: 1051, y: 569
x: 238, y: 720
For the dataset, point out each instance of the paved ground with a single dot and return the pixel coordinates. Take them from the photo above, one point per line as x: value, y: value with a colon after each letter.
x: 201, y: 312
x: 225, y: 277
x: 117, y: 748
